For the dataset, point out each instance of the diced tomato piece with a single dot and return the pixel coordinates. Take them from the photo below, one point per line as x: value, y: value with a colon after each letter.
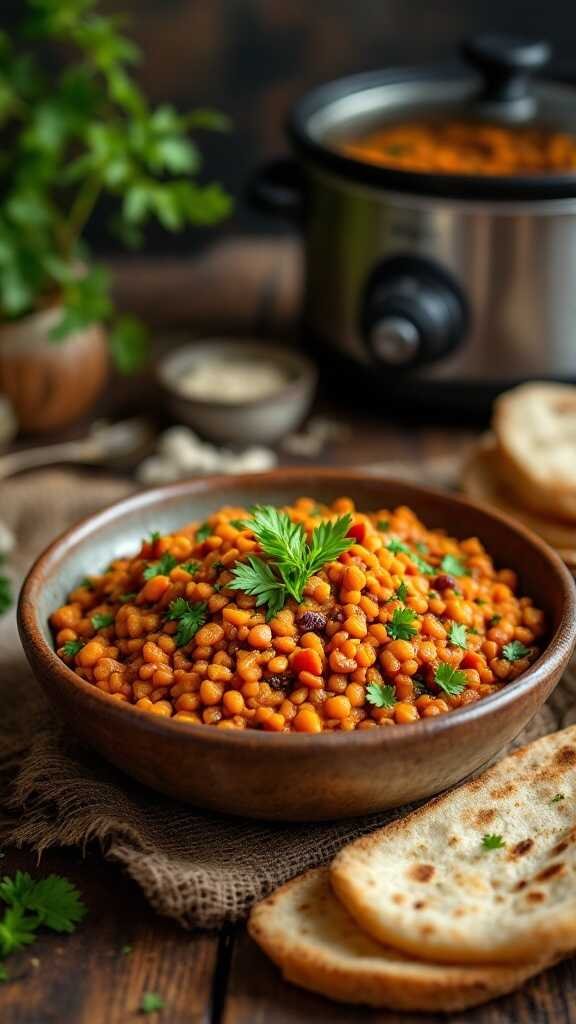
x: 307, y: 660
x: 358, y: 532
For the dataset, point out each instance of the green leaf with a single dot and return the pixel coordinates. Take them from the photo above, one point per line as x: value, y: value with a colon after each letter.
x: 401, y: 592
x: 3, y: 974
x: 492, y: 842
x: 556, y: 799
x: 56, y: 902
x: 383, y: 525
x: 329, y: 541
x: 515, y: 651
x: 212, y: 120
x: 125, y: 598
x: 203, y: 531
x: 454, y: 566
x: 163, y: 567
x: 129, y: 345
x: 17, y: 930
x: 151, y: 1002
x: 451, y: 680
x: 190, y: 618
x: 380, y: 695
x: 400, y: 627
x: 6, y: 599
x: 458, y: 636
x: 101, y: 621
x: 190, y: 567
x: 397, y: 546
x: 72, y: 647
x: 257, y: 578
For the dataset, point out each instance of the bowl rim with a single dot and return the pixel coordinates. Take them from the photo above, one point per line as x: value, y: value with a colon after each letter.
x: 553, y: 657
x: 305, y: 372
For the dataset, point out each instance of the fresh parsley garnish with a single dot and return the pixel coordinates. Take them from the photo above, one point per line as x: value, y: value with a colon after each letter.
x: 50, y: 902
x: 292, y: 559
x: 397, y: 546
x: 154, y: 536
x: 71, y: 648
x: 189, y: 618
x: 163, y: 567
x: 457, y: 635
x: 124, y: 598
x: 454, y: 566
x: 101, y: 621
x: 493, y: 621
x: 151, y: 1002
x: 449, y: 679
x: 87, y: 583
x: 400, y: 627
x: 383, y: 525
x: 238, y: 524
x: 190, y: 567
x: 401, y: 592
x: 556, y: 799
x: 515, y: 650
x: 421, y: 548
x: 492, y: 842
x: 381, y: 695
x: 203, y: 532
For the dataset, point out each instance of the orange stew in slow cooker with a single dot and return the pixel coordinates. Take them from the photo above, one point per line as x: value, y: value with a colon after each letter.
x: 312, y: 618
x: 459, y: 147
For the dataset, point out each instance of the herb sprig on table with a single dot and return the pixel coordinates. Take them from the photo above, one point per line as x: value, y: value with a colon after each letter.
x: 51, y: 902
x: 292, y: 559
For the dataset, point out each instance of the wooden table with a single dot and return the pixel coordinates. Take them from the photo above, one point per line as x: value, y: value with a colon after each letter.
x: 88, y: 978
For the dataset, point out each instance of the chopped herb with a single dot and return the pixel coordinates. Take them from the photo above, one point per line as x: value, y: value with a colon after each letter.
x: 433, y: 594
x: 556, y: 799
x: 71, y: 648
x: 316, y: 511
x: 203, y: 531
x: 383, y: 524
x: 50, y: 902
x: 493, y: 842
x: 397, y: 546
x: 101, y: 621
x: 151, y: 1002
x: 421, y: 548
x: 127, y: 949
x: 189, y: 618
x: 493, y: 621
x: 218, y: 566
x: 401, y: 592
x: 292, y: 558
x: 515, y: 651
x: 457, y: 635
x: 163, y: 567
x: 401, y: 628
x: 381, y: 696
x: 454, y: 566
x: 474, y: 631
x: 449, y: 679
x: 124, y: 598
x: 87, y: 583
x: 238, y: 524
x: 154, y: 536
x: 190, y: 567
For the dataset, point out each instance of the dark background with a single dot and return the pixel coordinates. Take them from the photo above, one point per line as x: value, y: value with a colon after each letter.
x: 253, y: 58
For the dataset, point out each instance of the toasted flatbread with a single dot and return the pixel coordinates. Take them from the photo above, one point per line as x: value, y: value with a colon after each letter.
x: 535, y: 427
x: 483, y: 479
x: 310, y: 936
x: 428, y: 884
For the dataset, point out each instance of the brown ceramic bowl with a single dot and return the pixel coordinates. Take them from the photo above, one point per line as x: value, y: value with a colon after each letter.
x: 286, y: 776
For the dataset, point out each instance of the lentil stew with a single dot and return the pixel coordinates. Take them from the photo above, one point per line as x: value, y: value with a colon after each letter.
x: 400, y: 623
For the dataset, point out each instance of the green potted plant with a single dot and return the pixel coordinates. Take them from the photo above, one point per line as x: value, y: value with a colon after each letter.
x: 73, y: 129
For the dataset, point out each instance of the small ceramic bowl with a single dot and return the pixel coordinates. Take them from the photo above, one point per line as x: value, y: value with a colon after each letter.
x: 294, y: 776
x: 254, y: 421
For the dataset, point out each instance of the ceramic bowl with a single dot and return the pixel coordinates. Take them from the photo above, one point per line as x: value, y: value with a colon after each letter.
x: 294, y: 776
x: 257, y: 421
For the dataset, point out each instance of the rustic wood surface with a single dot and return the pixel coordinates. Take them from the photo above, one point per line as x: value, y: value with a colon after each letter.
x: 89, y: 978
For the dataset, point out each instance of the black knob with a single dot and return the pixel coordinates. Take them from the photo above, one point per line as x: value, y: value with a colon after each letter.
x: 412, y: 313
x: 506, y: 64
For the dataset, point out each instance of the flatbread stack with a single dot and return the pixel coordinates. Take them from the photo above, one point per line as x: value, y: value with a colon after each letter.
x: 527, y: 465
x: 459, y: 902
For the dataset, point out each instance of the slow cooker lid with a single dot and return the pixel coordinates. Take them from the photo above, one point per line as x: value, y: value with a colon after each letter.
x: 494, y: 83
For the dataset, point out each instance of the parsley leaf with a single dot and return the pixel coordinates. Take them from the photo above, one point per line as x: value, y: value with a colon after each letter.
x: 400, y: 627
x: 381, y: 696
x: 87, y: 583
x: 454, y: 566
x: 421, y: 548
x: 190, y: 567
x: 493, y: 842
x: 17, y: 930
x: 124, y: 598
x: 71, y: 648
x: 383, y: 524
x: 101, y: 621
x: 151, y: 1002
x: 401, y: 592
x: 163, y: 567
x: 493, y: 621
x: 154, y: 536
x: 203, y: 532
x: 189, y: 618
x: 238, y: 524
x: 52, y: 902
x: 256, y: 578
x: 515, y: 650
x: 457, y: 635
x: 397, y: 546
x: 449, y: 679
x: 556, y: 799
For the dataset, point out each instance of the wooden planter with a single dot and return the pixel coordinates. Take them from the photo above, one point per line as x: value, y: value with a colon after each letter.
x: 51, y: 384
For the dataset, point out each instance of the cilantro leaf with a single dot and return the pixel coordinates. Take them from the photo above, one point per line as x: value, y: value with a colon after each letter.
x: 449, y: 679
x: 190, y: 617
x: 203, y: 532
x: 457, y: 635
x: 492, y: 842
x: 54, y: 900
x: 163, y: 567
x: 101, y: 620
x: 397, y: 546
x: 17, y: 930
x: 380, y: 695
x: 71, y: 648
x: 515, y: 651
x: 190, y: 567
x: 401, y: 592
x: 454, y: 566
x: 400, y: 627
x: 257, y: 578
x: 151, y: 1002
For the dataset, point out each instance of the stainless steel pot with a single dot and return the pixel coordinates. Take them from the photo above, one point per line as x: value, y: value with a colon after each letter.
x: 460, y: 279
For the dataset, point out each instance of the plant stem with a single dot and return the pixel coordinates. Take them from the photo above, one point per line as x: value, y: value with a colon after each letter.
x: 80, y: 212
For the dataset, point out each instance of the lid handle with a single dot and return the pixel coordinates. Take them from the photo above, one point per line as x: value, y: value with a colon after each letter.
x: 506, y: 64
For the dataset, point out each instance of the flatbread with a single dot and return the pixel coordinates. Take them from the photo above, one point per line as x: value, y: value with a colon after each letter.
x: 535, y: 427
x: 427, y: 884
x: 308, y: 934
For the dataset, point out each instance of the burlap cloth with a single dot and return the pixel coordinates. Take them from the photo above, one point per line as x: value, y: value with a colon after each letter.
x: 200, y: 869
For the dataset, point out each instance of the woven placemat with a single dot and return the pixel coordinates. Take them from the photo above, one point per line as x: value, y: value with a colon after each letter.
x: 200, y: 869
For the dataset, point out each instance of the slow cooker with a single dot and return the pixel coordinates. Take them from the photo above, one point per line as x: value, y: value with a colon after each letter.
x: 458, y: 281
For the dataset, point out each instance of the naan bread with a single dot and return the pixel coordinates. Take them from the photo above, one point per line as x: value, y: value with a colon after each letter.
x: 428, y: 885
x: 305, y: 930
